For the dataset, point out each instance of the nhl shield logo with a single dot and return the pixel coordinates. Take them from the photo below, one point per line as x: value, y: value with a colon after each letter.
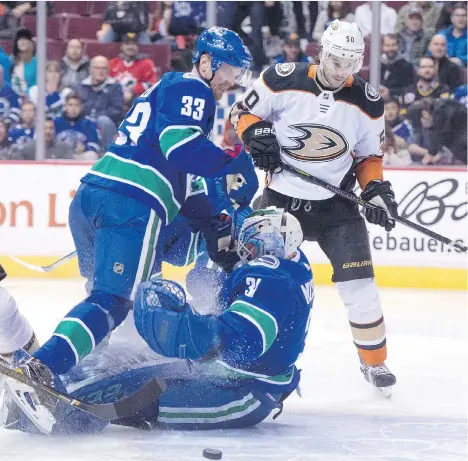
x: 371, y: 93
x: 118, y: 268
x: 285, y: 69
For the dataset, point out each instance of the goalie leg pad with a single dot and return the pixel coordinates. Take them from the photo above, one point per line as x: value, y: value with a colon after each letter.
x: 168, y: 324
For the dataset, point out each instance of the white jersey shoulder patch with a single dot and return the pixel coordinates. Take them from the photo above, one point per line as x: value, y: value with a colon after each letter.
x: 371, y: 93
x: 285, y: 69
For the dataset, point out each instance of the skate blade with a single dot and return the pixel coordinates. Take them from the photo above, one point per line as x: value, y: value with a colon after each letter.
x: 386, y: 391
x: 26, y: 399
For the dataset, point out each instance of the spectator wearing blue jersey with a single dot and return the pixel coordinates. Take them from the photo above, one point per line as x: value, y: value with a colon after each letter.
x: 461, y: 94
x: 292, y: 51
x: 23, y: 70
x: 456, y: 35
x: 399, y: 125
x: 5, y: 141
x: 55, y: 149
x: 9, y: 102
x: 102, y: 98
x: 77, y: 130
x: 24, y: 131
x: 56, y: 93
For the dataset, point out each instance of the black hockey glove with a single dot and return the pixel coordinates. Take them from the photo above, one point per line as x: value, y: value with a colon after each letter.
x: 2, y: 273
x: 261, y: 141
x: 380, y: 193
x: 218, y: 236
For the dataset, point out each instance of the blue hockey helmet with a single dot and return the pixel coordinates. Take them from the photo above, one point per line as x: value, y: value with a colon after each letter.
x: 224, y: 46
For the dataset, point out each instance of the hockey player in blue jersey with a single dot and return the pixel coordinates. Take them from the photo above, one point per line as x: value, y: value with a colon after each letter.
x: 137, y: 188
x: 236, y: 368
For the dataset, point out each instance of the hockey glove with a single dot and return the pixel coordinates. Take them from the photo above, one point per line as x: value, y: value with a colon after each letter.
x: 264, y: 148
x: 380, y: 193
x: 242, y: 187
x: 218, y: 234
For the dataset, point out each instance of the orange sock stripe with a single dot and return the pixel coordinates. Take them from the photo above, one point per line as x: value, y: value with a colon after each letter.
x: 373, y: 357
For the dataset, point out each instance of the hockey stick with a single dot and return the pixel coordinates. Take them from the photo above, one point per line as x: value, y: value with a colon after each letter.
x: 53, y: 266
x: 127, y: 406
x: 354, y: 198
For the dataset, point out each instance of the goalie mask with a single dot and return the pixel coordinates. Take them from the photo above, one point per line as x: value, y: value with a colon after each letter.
x: 269, y: 231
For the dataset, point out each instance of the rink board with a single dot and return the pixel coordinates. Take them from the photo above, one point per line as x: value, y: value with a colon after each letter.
x: 35, y: 197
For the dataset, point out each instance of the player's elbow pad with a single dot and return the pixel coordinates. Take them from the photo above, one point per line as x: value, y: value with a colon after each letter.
x: 181, y: 334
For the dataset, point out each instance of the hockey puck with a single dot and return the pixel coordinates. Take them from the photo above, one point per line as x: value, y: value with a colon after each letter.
x: 211, y: 453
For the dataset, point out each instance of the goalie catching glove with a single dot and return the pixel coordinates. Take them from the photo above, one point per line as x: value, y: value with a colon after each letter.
x: 260, y: 139
x: 380, y: 193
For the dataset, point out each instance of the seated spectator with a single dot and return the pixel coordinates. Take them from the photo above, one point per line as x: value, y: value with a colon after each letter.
x: 102, y: 98
x: 413, y: 40
x: 55, y: 149
x: 456, y: 35
x: 335, y: 10
x: 399, y: 125
x: 430, y: 14
x: 23, y: 69
x: 396, y: 74
x: 8, y: 22
x: 5, y: 141
x: 439, y: 132
x: 445, y: 13
x: 24, y: 131
x: 447, y: 71
x: 460, y: 95
x: 292, y: 51
x: 395, y: 153
x: 75, y: 66
x: 9, y: 102
x: 363, y: 18
x: 77, y: 130
x: 5, y: 64
x: 427, y: 85
x: 56, y: 93
x: 135, y: 72
x: 122, y: 18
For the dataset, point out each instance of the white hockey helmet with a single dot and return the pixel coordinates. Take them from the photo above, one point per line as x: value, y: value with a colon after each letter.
x: 269, y: 231
x: 342, y: 51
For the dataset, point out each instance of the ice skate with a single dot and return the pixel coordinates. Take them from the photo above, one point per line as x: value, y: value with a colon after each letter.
x: 18, y: 396
x: 379, y: 376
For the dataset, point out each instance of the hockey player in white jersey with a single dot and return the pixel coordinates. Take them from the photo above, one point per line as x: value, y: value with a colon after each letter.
x: 327, y: 121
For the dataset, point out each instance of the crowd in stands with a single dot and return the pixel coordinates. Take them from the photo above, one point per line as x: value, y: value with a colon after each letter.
x: 110, y: 56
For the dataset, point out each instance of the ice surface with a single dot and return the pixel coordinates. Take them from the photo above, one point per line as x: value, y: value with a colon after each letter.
x: 339, y: 418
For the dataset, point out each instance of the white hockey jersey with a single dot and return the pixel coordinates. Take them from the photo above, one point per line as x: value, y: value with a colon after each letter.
x: 325, y: 133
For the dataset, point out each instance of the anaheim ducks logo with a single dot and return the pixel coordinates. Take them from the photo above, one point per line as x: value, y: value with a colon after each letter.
x: 317, y: 143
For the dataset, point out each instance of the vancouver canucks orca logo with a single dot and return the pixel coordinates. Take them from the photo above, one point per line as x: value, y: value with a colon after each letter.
x: 316, y: 143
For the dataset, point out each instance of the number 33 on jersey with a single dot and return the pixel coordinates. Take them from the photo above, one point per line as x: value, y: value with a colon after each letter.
x: 162, y: 141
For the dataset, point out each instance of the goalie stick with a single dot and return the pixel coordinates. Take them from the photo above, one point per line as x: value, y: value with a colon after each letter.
x: 127, y: 406
x: 354, y: 198
x: 49, y: 268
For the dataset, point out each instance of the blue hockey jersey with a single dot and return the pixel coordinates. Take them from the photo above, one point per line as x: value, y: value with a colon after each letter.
x: 266, y: 309
x: 162, y: 141
x: 20, y: 135
x: 9, y: 104
x: 75, y: 132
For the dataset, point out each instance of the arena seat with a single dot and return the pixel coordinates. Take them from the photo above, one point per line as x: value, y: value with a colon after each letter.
x: 55, y: 49
x: 97, y: 9
x: 82, y: 27
x: 7, y: 46
x: 71, y: 8
x: 55, y: 26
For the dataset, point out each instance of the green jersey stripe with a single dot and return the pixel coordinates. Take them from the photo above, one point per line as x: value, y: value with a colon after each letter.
x: 263, y: 321
x: 173, y: 137
x: 78, y: 335
x: 141, y: 176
